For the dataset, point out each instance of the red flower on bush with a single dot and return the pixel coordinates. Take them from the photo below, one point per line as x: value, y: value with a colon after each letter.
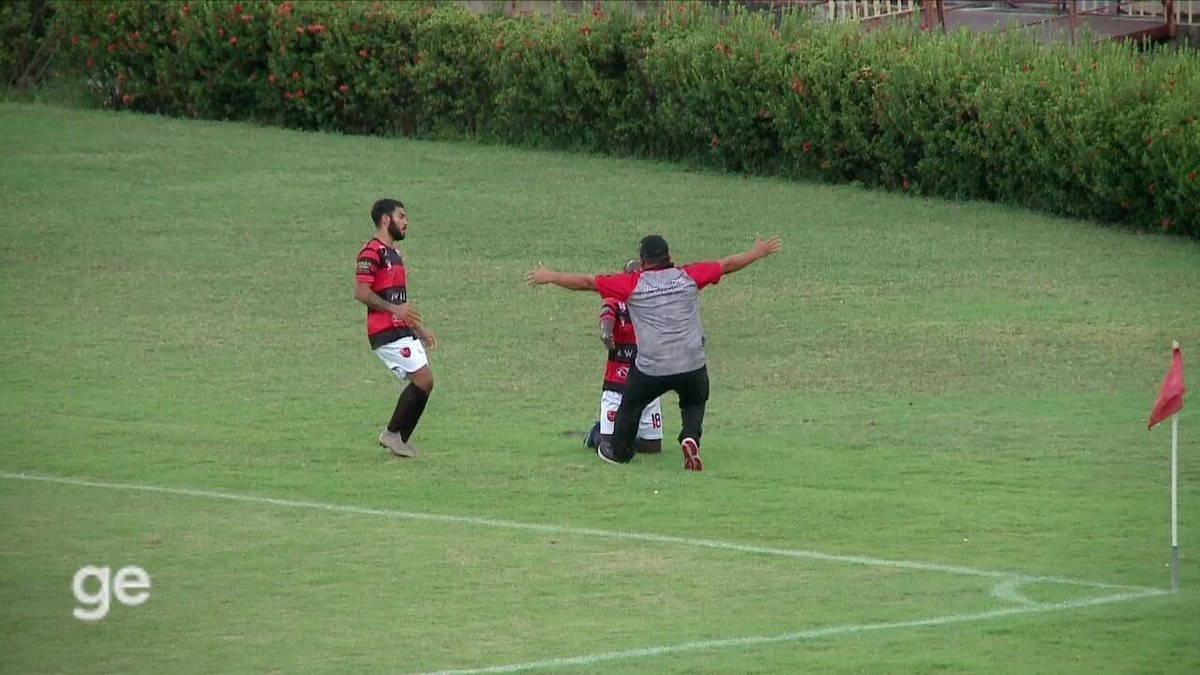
x: 1148, y: 140
x: 714, y: 142
x: 597, y: 12
x: 316, y: 28
x: 92, y: 62
x: 126, y: 99
x: 1025, y: 68
x: 806, y: 146
x: 1192, y: 176
x: 295, y: 74
x: 300, y: 29
x: 363, y: 53
x: 285, y: 9
x: 797, y: 86
x: 585, y: 29
x: 112, y: 17
x: 343, y: 88
x: 299, y: 93
x: 287, y: 95
x: 904, y: 183
x: 271, y: 78
x: 1166, y: 223
x: 246, y: 18
x: 233, y: 40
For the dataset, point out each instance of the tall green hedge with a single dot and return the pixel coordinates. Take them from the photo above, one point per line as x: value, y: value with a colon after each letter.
x: 1105, y: 131
x: 27, y: 46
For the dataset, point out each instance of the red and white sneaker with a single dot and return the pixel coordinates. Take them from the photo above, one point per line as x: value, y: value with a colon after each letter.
x: 691, y: 455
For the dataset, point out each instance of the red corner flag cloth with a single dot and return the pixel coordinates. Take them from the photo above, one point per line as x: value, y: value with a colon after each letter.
x: 1170, y: 397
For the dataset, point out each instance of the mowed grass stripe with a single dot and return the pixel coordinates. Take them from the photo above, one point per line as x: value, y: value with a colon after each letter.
x: 292, y: 581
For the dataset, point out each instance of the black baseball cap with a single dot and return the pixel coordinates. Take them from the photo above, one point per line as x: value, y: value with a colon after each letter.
x: 654, y: 249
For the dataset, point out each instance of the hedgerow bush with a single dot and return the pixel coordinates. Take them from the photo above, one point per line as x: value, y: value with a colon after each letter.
x: 26, y: 45
x: 1105, y: 130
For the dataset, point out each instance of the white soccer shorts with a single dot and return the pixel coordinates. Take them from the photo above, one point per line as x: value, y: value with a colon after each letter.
x: 650, y: 426
x: 403, y: 357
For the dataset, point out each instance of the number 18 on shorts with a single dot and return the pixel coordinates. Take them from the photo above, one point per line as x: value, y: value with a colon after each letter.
x: 650, y: 426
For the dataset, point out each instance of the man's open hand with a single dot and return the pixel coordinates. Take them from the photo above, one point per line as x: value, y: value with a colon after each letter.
x: 407, y: 314
x: 765, y: 247
x: 539, y: 275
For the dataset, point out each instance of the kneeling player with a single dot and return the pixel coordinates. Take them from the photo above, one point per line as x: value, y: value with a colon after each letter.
x: 616, y: 331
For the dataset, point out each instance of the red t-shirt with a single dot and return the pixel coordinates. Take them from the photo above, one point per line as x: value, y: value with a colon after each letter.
x: 624, y: 350
x: 664, y: 306
x: 382, y: 267
x: 621, y: 286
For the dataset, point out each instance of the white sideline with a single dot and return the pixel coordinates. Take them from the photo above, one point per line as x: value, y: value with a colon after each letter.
x: 1004, y: 590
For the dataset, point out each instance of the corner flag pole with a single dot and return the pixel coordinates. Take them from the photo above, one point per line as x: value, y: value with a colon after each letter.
x: 1175, y: 495
x: 1168, y: 403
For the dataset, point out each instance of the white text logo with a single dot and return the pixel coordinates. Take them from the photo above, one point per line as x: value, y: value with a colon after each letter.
x: 130, y: 586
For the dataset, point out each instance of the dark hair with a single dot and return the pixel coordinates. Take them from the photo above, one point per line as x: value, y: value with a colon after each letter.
x: 654, y: 251
x: 384, y: 207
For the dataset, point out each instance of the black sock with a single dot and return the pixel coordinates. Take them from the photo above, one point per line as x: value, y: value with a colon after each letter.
x: 408, y: 411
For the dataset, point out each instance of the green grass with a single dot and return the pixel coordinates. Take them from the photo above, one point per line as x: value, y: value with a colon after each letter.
x: 909, y: 380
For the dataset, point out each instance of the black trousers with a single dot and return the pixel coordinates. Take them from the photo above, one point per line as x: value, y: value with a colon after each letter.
x: 641, y: 389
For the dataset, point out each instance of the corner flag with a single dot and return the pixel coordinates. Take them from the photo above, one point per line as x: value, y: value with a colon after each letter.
x: 1168, y: 403
x: 1170, y: 396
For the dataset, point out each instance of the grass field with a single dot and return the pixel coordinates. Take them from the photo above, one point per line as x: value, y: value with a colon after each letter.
x: 926, y: 449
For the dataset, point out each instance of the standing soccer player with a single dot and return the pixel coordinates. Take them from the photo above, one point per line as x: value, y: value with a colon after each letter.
x: 664, y: 304
x: 617, y: 334
x: 394, y: 328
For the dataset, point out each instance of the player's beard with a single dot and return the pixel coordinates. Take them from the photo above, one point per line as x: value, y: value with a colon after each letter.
x: 397, y: 233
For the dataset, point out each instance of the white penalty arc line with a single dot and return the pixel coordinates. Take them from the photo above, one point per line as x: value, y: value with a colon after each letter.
x: 576, y: 531
x: 814, y: 633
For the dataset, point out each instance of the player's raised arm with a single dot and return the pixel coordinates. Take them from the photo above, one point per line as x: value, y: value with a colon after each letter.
x: 761, y: 249
x: 572, y: 282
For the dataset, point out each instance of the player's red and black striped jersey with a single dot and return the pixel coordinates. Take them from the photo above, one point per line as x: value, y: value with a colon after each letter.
x: 624, y: 350
x: 382, y: 267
